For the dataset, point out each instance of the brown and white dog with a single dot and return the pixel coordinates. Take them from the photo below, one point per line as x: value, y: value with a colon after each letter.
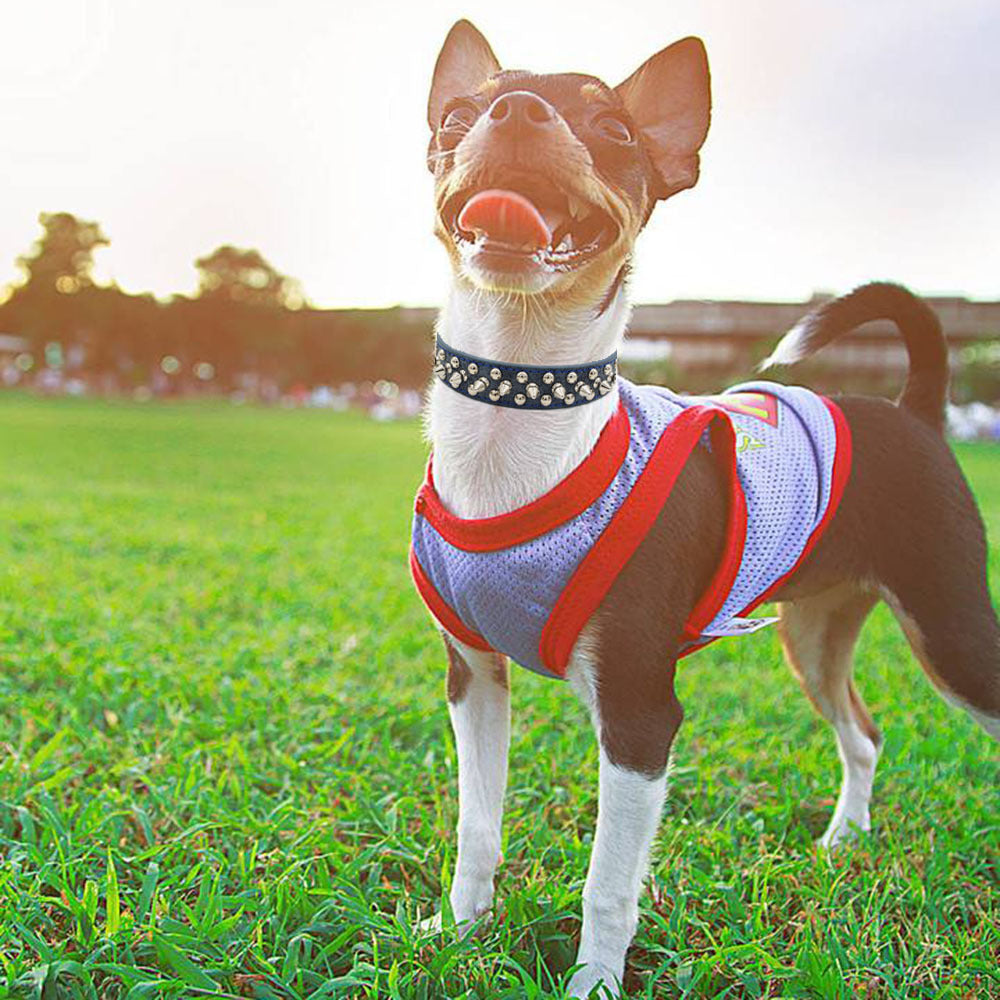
x: 594, y: 160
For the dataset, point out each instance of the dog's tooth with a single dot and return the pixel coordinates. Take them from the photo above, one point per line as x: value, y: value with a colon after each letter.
x: 577, y: 208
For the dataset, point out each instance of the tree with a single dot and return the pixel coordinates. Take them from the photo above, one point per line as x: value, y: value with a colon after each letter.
x: 246, y: 278
x: 62, y: 258
x: 47, y: 305
x: 242, y: 313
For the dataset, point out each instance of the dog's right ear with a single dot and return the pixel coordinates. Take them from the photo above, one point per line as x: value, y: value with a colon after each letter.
x: 465, y: 63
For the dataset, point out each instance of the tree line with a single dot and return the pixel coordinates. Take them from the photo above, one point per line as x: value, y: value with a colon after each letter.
x: 247, y: 321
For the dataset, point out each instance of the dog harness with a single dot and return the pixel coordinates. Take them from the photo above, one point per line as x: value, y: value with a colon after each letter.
x: 525, y: 583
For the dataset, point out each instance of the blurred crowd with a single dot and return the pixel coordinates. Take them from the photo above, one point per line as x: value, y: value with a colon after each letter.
x: 974, y: 422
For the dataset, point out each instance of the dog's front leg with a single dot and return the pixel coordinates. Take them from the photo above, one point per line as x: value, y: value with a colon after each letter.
x: 636, y: 715
x: 479, y: 705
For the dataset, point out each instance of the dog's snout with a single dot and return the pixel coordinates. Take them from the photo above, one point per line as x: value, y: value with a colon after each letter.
x: 521, y: 109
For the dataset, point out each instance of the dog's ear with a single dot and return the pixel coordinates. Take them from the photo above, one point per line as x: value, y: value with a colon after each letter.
x: 466, y: 61
x: 669, y: 98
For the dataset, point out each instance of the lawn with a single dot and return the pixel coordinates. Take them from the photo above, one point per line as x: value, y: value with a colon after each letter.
x: 226, y: 767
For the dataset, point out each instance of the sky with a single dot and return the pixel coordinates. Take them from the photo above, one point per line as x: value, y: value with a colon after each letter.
x: 850, y: 140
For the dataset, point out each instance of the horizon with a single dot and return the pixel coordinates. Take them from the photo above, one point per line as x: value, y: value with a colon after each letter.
x: 868, y: 141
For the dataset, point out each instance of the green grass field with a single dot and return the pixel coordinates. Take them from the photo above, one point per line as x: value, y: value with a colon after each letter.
x: 226, y: 767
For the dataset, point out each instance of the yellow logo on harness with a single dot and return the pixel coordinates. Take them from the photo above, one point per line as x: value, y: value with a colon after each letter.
x: 746, y: 442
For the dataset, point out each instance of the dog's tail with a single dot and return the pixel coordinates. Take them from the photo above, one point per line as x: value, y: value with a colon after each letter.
x: 926, y: 386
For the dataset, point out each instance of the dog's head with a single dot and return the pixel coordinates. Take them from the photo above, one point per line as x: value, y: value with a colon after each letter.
x: 543, y: 182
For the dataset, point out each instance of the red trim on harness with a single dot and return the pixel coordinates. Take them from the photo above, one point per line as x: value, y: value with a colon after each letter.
x: 445, y: 616
x: 842, y: 461
x: 567, y: 499
x: 599, y: 568
x: 723, y: 446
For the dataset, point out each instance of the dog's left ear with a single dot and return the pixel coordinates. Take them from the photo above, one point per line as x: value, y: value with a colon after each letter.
x: 669, y: 98
x: 465, y: 63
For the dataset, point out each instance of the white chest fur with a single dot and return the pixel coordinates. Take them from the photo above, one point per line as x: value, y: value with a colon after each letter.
x: 490, y: 459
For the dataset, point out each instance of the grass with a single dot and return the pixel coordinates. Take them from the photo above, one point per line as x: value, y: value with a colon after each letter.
x: 226, y: 767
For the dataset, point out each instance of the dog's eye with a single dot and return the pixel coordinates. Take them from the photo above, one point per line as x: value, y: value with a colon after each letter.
x: 612, y: 127
x: 459, y: 118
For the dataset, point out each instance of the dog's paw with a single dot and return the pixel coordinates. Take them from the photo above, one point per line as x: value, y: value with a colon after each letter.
x: 595, y: 981
x: 433, y: 926
x: 842, y: 833
x: 430, y: 927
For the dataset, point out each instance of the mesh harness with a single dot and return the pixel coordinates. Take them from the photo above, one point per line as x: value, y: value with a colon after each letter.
x: 525, y: 583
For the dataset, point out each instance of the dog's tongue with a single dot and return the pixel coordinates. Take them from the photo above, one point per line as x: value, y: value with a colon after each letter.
x: 506, y: 217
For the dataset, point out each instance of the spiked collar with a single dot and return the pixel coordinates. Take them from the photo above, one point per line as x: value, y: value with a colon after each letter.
x: 523, y: 387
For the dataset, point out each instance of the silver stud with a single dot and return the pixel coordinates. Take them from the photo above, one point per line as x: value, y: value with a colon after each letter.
x: 546, y: 400
x: 586, y: 391
x: 570, y: 399
x: 519, y: 399
x: 504, y: 387
x: 571, y: 377
x: 522, y: 377
x: 454, y: 362
x: 495, y: 374
x: 473, y: 368
x: 440, y: 371
x: 455, y: 379
x: 558, y: 390
x: 592, y: 374
x: 608, y: 369
x: 604, y: 388
x: 494, y: 395
x: 532, y: 390
x: 439, y: 354
x: 477, y: 386
x: 548, y: 378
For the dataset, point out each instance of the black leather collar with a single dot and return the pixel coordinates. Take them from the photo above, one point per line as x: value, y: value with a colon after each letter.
x: 523, y: 387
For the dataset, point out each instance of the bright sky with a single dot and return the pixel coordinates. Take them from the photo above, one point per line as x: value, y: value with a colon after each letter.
x: 851, y: 139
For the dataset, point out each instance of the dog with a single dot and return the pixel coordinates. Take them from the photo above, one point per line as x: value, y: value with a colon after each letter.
x: 599, y: 531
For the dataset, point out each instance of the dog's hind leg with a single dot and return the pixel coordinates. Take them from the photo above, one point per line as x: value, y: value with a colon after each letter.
x: 818, y: 635
x: 954, y: 634
x: 479, y: 706
x: 909, y: 523
x: 935, y: 580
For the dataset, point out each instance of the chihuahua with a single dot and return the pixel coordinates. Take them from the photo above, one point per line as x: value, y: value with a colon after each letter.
x: 598, y: 531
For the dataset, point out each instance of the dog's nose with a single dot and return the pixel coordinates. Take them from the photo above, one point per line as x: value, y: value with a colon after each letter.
x: 521, y: 110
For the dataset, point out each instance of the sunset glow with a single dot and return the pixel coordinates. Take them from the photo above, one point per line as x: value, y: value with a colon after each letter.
x: 849, y: 140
